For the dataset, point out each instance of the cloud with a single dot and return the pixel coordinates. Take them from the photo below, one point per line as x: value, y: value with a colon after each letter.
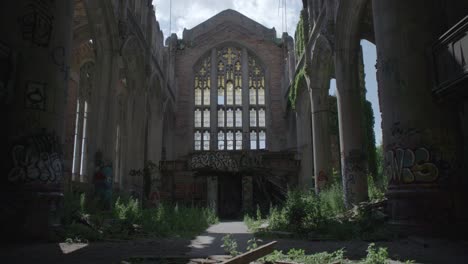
x: 189, y: 13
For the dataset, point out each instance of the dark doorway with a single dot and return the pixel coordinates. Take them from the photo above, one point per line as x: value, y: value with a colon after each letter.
x: 229, y: 196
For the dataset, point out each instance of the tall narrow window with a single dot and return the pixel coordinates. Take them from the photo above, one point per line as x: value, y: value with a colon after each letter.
x: 230, y: 118
x: 221, y: 118
x: 230, y: 140
x: 229, y: 76
x: 198, y: 140
x: 206, y: 140
x: 253, y: 117
x: 80, y: 148
x: 229, y: 93
x: 261, y: 117
x: 253, y: 140
x: 221, y: 140
x: 257, y: 105
x: 238, y: 140
x: 198, y: 118
x: 202, y: 115
x: 262, y: 139
x: 238, y: 117
x: 198, y: 96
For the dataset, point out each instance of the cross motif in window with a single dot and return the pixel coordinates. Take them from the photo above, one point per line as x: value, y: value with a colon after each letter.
x: 238, y: 66
x: 229, y: 56
x: 203, y: 71
x: 220, y: 66
x: 257, y: 71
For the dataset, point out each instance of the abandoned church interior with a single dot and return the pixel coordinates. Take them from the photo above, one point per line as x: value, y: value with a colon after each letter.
x: 232, y: 115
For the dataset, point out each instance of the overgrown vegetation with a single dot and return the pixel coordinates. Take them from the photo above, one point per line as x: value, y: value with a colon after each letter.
x: 230, y: 245
x: 302, y: 33
x: 324, y: 216
x: 301, y: 37
x: 299, y: 81
x: 85, y: 221
x: 299, y: 256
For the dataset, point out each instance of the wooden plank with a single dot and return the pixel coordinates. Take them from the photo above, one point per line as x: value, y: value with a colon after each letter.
x: 252, y: 255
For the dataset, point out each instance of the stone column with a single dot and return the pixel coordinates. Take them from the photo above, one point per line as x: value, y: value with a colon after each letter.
x: 247, y: 194
x: 320, y: 135
x: 212, y: 192
x: 419, y: 135
x: 352, y: 143
x: 34, y: 58
x: 304, y: 141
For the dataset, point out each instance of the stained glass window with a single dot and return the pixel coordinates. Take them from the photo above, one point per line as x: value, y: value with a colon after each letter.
x: 257, y: 113
x: 198, y: 118
x: 206, y: 118
x: 261, y: 117
x: 229, y: 118
x: 229, y: 93
x: 253, y: 140
x: 198, y: 96
x: 261, y: 139
x: 206, y: 140
x: 198, y: 140
x: 238, y: 117
x: 221, y: 140
x: 230, y: 140
x: 202, y: 86
x: 253, y: 117
x: 220, y: 118
x: 238, y: 140
x: 228, y: 90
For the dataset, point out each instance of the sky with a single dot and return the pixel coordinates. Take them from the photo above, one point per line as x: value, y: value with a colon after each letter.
x: 280, y: 14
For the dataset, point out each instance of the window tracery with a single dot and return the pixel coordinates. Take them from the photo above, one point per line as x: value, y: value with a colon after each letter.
x: 228, y: 114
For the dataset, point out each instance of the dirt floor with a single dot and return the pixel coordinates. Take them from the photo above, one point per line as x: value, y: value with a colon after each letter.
x: 421, y: 250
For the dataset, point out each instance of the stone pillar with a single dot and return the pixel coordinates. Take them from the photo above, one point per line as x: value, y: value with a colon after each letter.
x: 418, y: 134
x: 352, y: 131
x: 320, y: 136
x: 247, y: 194
x: 304, y: 141
x: 212, y: 192
x: 34, y: 57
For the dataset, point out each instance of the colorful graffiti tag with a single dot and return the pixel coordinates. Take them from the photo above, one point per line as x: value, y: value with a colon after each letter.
x: 405, y: 166
x: 37, y: 158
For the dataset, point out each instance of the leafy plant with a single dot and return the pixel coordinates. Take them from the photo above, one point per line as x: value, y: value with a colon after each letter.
x: 376, y: 255
x: 252, y: 244
x: 230, y: 245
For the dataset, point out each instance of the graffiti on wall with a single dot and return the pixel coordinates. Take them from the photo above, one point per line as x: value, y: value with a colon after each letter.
x: 405, y: 166
x: 354, y: 169
x: 37, y: 22
x: 37, y: 158
x: 35, y: 97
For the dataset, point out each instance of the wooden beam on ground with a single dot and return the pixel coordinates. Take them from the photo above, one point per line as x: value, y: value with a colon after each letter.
x: 252, y: 255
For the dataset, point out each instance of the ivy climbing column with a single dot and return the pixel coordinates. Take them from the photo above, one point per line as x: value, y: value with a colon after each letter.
x: 34, y: 58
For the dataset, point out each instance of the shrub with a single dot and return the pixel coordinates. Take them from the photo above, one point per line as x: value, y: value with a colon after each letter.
x: 230, y: 245
x: 376, y: 255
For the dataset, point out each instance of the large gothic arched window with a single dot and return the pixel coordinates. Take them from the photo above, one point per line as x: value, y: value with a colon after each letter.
x: 239, y: 90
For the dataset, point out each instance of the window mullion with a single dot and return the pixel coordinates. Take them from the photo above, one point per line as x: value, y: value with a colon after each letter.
x: 214, y: 101
x: 245, y: 100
